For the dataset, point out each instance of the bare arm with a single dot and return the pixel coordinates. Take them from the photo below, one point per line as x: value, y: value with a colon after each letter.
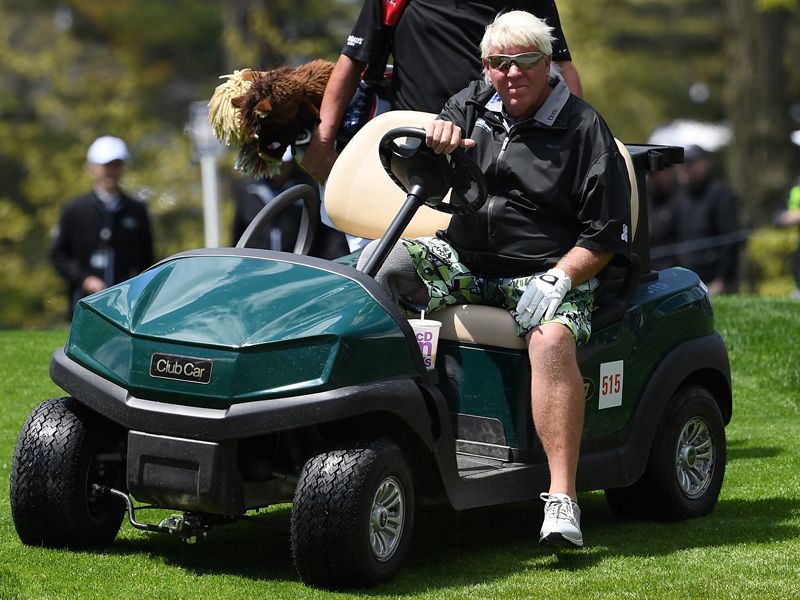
x: 571, y: 77
x: 320, y: 155
x: 581, y: 264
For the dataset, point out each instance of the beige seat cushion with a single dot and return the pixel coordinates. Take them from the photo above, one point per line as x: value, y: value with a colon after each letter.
x: 478, y: 324
x: 361, y: 199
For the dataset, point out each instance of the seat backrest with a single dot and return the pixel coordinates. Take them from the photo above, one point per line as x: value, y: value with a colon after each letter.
x: 634, y: 201
x: 361, y: 199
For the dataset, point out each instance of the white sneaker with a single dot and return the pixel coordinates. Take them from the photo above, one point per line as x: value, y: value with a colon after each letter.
x: 562, y: 521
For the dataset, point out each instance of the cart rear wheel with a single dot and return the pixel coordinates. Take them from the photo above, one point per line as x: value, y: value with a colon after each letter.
x: 352, y: 515
x: 63, y: 451
x: 684, y: 473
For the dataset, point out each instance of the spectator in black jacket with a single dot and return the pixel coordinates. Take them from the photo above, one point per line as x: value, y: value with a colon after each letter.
x: 102, y: 237
x: 707, y: 224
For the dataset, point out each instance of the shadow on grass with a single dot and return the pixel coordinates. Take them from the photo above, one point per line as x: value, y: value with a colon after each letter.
x: 453, y: 550
x: 255, y: 548
x: 738, y: 449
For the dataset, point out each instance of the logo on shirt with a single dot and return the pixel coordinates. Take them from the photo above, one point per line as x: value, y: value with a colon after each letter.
x: 624, y: 235
x: 354, y: 41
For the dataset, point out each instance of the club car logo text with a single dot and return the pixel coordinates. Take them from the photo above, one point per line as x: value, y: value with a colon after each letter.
x: 184, y: 368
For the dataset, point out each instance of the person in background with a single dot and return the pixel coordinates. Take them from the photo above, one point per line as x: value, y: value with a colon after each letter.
x: 102, y: 237
x: 663, y: 190
x: 559, y: 213
x: 790, y: 217
x: 252, y: 195
x: 707, y: 225
x: 435, y: 46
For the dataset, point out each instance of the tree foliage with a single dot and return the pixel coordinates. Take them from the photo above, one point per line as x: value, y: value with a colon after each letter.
x: 76, y: 69
x: 66, y: 80
x: 639, y: 59
x: 79, y: 69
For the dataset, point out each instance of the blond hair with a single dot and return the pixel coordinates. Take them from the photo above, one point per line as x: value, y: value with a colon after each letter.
x: 517, y: 28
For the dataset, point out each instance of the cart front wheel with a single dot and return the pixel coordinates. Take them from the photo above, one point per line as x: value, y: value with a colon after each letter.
x: 63, y: 454
x: 352, y: 515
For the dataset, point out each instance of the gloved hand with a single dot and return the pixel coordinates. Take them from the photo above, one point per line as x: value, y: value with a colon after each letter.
x: 542, y: 297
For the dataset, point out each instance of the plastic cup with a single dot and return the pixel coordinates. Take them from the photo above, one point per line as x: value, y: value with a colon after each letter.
x: 427, y: 334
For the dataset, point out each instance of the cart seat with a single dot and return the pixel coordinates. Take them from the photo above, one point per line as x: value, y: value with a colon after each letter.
x: 361, y: 199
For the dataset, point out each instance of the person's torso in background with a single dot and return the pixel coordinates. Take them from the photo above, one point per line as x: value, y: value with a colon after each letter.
x: 438, y: 42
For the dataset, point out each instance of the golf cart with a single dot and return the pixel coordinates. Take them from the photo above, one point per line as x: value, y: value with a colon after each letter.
x: 224, y: 380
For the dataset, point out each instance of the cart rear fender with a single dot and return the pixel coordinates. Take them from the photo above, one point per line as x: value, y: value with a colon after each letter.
x: 702, y: 361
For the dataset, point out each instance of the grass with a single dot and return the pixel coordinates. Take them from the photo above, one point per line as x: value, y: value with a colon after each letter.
x: 749, y: 547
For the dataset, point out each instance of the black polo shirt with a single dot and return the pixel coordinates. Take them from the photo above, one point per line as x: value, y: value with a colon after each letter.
x: 436, y: 45
x: 556, y: 180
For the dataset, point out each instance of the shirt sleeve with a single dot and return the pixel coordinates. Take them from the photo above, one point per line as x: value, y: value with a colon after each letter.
x: 605, y: 205
x: 368, y: 35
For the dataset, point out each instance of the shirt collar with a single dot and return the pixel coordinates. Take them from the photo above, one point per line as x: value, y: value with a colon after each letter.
x: 112, y: 202
x: 553, y: 104
x: 549, y: 111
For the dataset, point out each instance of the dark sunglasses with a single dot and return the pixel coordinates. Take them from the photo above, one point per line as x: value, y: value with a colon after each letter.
x: 524, y: 61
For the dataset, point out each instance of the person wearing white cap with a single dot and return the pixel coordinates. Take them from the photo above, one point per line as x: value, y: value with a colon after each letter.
x: 102, y: 237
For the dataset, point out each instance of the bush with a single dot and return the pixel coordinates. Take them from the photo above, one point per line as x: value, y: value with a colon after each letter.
x: 768, y: 260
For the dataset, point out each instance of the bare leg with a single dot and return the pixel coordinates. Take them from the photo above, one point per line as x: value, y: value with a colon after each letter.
x: 557, y: 401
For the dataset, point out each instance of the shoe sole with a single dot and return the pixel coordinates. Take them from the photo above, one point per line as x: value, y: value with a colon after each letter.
x: 556, y: 540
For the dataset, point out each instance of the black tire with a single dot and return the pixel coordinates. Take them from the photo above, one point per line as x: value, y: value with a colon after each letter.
x: 339, y: 516
x: 62, y: 451
x: 686, y: 466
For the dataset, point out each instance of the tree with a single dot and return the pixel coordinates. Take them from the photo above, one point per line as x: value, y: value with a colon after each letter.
x: 639, y: 58
x: 264, y: 34
x: 63, y: 85
x: 79, y: 69
x: 760, y: 159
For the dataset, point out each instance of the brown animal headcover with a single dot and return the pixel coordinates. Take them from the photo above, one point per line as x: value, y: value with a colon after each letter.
x: 280, y: 106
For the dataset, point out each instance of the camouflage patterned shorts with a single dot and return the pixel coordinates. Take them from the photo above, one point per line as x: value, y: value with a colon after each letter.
x: 450, y: 282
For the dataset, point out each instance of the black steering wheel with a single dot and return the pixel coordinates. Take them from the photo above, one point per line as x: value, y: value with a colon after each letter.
x: 309, y: 222
x: 420, y: 171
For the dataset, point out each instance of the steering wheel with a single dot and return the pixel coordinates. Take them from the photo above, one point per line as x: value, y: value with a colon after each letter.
x: 420, y: 171
x: 309, y: 222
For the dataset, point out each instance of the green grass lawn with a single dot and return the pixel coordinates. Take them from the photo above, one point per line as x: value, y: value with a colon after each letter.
x: 749, y: 547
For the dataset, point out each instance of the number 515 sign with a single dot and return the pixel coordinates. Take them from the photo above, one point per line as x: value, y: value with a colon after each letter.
x: 611, y: 376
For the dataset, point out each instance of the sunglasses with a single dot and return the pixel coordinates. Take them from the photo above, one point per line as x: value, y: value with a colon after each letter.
x: 524, y: 61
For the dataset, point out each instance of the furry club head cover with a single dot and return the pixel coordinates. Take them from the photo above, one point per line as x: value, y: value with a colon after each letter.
x: 262, y: 113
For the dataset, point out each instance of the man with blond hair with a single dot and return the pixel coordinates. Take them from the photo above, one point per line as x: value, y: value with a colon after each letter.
x: 557, y: 214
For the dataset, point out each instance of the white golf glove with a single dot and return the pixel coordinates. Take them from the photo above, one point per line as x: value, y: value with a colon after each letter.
x: 542, y: 297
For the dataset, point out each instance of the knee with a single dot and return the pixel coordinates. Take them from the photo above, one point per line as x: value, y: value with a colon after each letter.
x: 551, y: 342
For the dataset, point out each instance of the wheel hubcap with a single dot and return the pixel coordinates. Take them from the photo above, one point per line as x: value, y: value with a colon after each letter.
x: 694, y: 465
x: 387, y: 519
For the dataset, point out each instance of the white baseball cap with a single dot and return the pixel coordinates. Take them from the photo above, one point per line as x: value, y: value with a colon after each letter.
x: 106, y: 149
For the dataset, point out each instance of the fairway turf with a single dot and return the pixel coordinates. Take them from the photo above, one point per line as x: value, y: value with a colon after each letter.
x: 749, y: 547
